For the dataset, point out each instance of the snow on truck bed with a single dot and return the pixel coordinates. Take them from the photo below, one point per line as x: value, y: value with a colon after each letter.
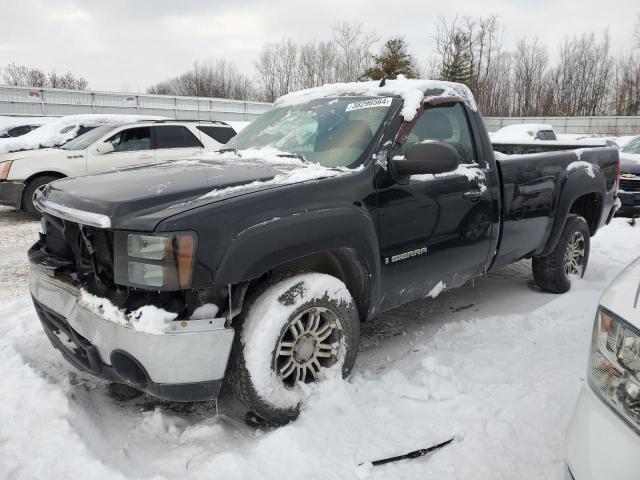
x: 498, y: 366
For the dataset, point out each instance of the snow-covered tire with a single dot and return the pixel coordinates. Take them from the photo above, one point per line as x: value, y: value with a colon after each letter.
x: 266, y: 346
x: 30, y: 189
x: 570, y: 257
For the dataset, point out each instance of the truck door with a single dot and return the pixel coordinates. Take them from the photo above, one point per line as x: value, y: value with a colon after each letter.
x: 436, y: 228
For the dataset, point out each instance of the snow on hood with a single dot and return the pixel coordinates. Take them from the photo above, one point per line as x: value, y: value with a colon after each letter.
x: 292, y: 170
x: 412, y: 92
x: 56, y: 133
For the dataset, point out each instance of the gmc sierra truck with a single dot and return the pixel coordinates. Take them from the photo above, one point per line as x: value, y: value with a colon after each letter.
x: 256, y: 264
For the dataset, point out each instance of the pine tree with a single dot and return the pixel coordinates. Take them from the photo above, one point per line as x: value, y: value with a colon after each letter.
x: 458, y: 66
x: 394, y: 60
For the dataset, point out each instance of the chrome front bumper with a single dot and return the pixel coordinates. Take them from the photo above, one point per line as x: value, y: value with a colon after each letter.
x: 190, y: 353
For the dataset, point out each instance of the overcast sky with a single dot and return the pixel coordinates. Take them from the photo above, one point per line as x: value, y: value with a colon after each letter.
x: 129, y: 45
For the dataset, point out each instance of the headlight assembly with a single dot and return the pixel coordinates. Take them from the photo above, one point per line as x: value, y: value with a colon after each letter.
x: 162, y: 261
x: 614, y: 365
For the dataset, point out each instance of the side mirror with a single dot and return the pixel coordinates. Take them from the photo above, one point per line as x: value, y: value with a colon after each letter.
x: 104, y: 147
x: 428, y: 157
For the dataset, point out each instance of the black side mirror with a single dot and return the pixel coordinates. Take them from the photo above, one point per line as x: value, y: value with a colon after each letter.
x: 428, y: 157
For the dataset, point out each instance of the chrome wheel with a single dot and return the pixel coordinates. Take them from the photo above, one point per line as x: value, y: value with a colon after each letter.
x: 574, y: 257
x: 311, y: 341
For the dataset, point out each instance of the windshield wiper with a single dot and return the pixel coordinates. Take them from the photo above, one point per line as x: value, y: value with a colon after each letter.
x: 299, y: 156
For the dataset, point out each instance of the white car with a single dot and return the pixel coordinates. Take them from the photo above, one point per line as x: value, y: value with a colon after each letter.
x: 105, y: 148
x: 523, y: 133
x: 17, y: 127
x: 603, y: 441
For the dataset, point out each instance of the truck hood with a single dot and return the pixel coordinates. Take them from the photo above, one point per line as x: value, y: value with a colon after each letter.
x: 140, y: 197
x: 630, y: 163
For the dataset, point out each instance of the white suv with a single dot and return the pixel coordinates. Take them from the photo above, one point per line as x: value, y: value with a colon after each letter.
x: 105, y: 148
x: 603, y: 440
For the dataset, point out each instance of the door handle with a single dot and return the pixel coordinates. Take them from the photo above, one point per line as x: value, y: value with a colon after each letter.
x: 475, y: 194
x: 145, y: 156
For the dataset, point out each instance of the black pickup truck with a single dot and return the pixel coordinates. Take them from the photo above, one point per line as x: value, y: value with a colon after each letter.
x: 257, y: 264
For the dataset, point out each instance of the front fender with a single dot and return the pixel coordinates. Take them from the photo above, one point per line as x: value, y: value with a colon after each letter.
x: 262, y: 247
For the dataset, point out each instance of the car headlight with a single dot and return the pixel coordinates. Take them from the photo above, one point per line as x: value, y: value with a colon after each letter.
x: 614, y: 365
x: 4, y: 169
x: 163, y: 261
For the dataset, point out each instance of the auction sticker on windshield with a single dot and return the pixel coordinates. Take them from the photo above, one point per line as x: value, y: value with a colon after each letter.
x: 371, y: 103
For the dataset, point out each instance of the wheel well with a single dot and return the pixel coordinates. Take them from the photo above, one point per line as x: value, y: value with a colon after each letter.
x: 343, y: 263
x: 588, y: 206
x: 43, y: 174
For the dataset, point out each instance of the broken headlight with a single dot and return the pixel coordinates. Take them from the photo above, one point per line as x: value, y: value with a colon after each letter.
x: 162, y: 261
x: 614, y: 365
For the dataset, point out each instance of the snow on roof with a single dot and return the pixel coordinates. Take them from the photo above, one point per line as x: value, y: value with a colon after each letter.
x: 8, y: 122
x: 412, y: 91
x: 58, y: 132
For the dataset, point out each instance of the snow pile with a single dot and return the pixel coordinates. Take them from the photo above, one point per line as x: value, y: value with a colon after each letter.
x: 64, y: 129
x: 147, y: 319
x: 412, y: 92
x: 263, y: 327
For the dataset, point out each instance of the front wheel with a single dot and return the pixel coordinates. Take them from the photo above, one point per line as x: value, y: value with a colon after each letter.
x: 569, y: 259
x: 293, y: 328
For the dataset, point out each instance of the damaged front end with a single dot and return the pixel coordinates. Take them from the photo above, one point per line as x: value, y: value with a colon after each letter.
x: 79, y: 256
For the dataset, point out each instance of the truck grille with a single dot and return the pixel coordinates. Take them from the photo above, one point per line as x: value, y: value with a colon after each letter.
x: 630, y: 184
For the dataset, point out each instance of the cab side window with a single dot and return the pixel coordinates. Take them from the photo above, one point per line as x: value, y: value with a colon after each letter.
x: 447, y: 124
x: 175, y: 136
x: 131, y: 139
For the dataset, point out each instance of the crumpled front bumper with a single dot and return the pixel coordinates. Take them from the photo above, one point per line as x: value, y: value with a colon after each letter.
x: 185, y: 363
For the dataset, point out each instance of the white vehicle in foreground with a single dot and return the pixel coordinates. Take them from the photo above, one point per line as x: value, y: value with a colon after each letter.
x: 603, y: 440
x: 104, y: 148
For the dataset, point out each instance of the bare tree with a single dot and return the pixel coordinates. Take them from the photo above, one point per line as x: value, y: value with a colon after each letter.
x: 219, y: 78
x: 23, y: 76
x: 354, y: 46
x: 529, y: 68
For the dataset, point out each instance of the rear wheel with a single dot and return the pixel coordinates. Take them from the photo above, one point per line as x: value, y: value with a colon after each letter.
x: 30, y: 189
x: 292, y: 330
x: 569, y: 259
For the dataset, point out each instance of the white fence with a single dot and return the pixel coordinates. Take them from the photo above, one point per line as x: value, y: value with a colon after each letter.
x: 591, y: 125
x: 23, y: 101
x: 57, y: 102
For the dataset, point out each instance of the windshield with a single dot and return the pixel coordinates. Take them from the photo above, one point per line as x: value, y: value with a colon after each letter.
x: 632, y: 147
x: 334, y: 132
x: 86, y: 139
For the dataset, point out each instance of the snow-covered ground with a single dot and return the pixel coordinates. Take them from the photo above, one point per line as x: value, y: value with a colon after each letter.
x: 498, y: 366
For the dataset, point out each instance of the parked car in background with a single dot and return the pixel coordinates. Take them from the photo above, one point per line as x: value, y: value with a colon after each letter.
x: 104, y: 148
x: 58, y: 131
x: 11, y: 127
x: 603, y: 439
x: 525, y: 132
x: 630, y: 179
